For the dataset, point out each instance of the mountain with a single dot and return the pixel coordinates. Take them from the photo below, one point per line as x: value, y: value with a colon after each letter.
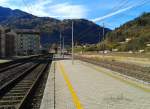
x: 131, y: 36
x: 84, y: 31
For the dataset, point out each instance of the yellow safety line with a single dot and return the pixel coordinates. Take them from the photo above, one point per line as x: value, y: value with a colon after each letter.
x: 122, y: 79
x: 70, y: 87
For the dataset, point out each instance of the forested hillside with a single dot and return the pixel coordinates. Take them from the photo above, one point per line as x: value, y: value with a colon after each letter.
x: 132, y: 36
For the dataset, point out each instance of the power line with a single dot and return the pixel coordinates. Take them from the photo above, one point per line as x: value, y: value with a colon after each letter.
x: 120, y: 11
x: 124, y: 15
x: 114, y: 8
x: 108, y: 24
x: 120, y: 5
x: 123, y: 4
x: 27, y: 6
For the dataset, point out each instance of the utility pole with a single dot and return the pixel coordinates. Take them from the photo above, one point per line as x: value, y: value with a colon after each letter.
x: 60, y: 44
x: 72, y: 42
x: 100, y: 36
x: 63, y: 47
x: 103, y: 31
x: 103, y: 37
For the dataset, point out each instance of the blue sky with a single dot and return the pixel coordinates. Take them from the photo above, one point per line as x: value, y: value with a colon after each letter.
x: 112, y: 13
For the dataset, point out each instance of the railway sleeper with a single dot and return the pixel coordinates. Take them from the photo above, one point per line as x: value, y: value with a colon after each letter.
x: 20, y: 89
x: 9, y: 102
x: 12, y: 97
x: 26, y: 81
x: 17, y: 91
x: 15, y: 94
x: 24, y: 84
x: 7, y: 107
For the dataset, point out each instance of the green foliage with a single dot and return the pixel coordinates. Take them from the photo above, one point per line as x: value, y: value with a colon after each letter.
x: 79, y: 49
x: 147, y: 49
x: 137, y: 30
x: 91, y: 48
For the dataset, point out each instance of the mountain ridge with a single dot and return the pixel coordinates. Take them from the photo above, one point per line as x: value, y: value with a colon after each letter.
x: 50, y: 27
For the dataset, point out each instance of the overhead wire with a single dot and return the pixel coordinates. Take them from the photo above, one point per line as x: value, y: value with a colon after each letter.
x: 134, y: 5
x: 126, y: 14
x: 120, y: 5
x: 114, y: 8
x: 123, y: 4
x: 28, y: 7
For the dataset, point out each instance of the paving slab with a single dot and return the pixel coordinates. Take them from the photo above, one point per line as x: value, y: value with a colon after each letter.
x: 86, y: 86
x: 96, y: 90
x: 48, y: 96
x: 56, y: 94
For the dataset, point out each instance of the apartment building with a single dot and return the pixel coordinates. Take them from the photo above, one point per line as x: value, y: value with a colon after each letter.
x: 7, y: 42
x: 10, y: 40
x: 27, y: 41
x: 2, y: 42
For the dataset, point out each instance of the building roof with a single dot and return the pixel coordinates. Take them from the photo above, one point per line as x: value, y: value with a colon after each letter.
x: 27, y: 31
x: 4, y: 29
x: 11, y: 33
x: 1, y: 28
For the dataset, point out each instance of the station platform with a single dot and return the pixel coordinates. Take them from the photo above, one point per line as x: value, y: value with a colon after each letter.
x: 85, y: 86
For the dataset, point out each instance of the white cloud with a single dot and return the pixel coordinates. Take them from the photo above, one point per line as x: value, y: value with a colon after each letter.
x: 66, y: 10
x: 48, y: 8
x: 3, y: 2
x: 10, y: 4
x: 61, y: 10
x: 37, y: 8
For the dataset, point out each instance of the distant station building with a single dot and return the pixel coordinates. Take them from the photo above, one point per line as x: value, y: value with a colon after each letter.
x: 27, y: 41
x: 7, y: 42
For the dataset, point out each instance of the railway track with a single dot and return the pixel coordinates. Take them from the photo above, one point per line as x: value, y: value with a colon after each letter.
x: 15, y: 93
x: 7, y: 73
x: 12, y: 64
x: 141, y: 73
x: 12, y: 73
x: 10, y: 67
